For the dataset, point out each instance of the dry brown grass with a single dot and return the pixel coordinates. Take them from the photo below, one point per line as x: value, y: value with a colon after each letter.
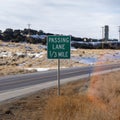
x: 102, y: 102
x: 12, y: 70
x: 74, y: 108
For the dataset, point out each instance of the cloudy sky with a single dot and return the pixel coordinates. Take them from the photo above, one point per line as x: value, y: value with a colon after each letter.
x: 83, y: 18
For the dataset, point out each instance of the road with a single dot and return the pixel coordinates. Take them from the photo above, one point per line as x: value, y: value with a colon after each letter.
x: 9, y: 83
x: 16, y: 81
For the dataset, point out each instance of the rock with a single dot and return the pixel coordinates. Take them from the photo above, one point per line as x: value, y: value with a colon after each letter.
x: 8, y: 112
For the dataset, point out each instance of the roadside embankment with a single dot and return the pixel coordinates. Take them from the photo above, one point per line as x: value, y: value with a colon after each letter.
x: 97, y: 99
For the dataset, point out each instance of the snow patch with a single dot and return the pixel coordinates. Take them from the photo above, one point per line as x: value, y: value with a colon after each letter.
x: 97, y: 59
x: 5, y: 54
x: 36, y: 55
x: 73, y: 49
x: 38, y: 69
x: 38, y: 36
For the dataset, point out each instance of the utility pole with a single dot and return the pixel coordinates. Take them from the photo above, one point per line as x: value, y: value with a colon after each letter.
x: 58, y: 77
x: 102, y: 33
x: 29, y: 29
x: 102, y: 36
x: 119, y: 32
x: 27, y: 38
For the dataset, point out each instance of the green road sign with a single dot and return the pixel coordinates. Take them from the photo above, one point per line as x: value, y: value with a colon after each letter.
x: 58, y: 47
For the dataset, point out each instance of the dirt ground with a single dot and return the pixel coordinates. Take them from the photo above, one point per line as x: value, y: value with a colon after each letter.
x: 17, y: 58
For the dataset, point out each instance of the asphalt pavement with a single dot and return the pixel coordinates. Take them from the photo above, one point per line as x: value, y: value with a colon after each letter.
x: 8, y: 84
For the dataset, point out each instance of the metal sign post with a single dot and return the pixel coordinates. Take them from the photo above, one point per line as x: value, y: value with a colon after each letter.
x: 58, y: 47
x: 58, y: 77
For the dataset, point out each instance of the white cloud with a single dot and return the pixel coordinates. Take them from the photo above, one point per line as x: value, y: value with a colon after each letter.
x: 77, y: 17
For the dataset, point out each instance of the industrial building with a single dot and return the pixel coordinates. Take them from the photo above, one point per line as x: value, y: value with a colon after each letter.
x: 106, y: 33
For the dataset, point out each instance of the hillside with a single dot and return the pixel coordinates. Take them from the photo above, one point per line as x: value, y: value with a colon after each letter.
x: 17, y: 58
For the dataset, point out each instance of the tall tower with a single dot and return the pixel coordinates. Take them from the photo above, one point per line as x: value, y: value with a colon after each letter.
x: 106, y: 33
